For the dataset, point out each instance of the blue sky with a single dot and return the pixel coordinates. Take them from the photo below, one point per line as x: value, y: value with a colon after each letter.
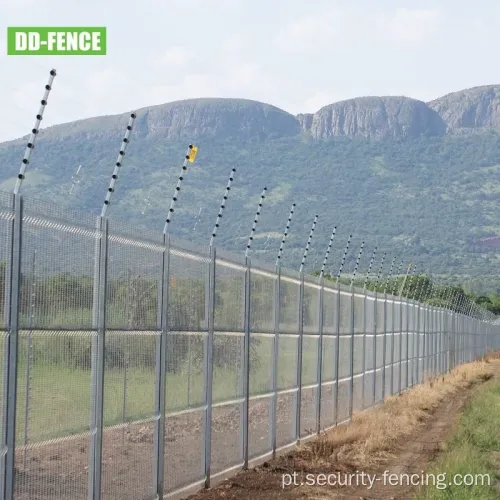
x: 298, y: 55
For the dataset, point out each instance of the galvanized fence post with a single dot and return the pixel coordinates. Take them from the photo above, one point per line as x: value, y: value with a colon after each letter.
x: 417, y: 333
x: 337, y: 357
x: 351, y: 361
x: 374, y: 354
x: 246, y: 363
x: 393, y: 336
x: 97, y: 432
x: 299, y: 354
x: 274, y: 367
x: 434, y: 344
x: 413, y: 340
x: 428, y: 333
x: 425, y: 364
x: 209, y: 365
x: 98, y: 249
x: 320, y: 354
x: 363, y: 361
x: 384, y: 349
x: 443, y: 340
x: 407, y: 306
x: 10, y: 403
x: 161, y: 372
x: 450, y: 338
x: 400, y: 343
x: 436, y: 341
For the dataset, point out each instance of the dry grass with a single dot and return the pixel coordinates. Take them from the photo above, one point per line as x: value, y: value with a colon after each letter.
x: 371, y: 435
x: 491, y: 356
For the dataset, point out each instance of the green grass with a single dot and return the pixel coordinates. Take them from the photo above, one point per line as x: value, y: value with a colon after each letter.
x: 59, y: 403
x: 472, y: 452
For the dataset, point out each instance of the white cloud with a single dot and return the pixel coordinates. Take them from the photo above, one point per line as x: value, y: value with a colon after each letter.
x: 177, y: 55
x: 103, y: 78
x: 305, y: 34
x: 244, y: 75
x: 234, y: 43
x: 409, y: 26
x: 192, y: 86
x: 316, y: 102
x: 341, y: 29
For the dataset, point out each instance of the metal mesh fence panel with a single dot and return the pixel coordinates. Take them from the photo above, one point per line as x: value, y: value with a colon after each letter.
x: 188, y: 288
x: 53, y: 408
x: 357, y: 404
x: 229, y: 293
x: 328, y: 389
x: 54, y: 371
x: 345, y: 313
x: 288, y: 352
x: 389, y: 346
x: 129, y: 414
x: 383, y: 328
x: 412, y: 343
x: 404, y: 347
x: 329, y: 308
x: 289, y: 305
x: 359, y: 313
x: 260, y: 422
x: 311, y: 309
x: 369, y: 349
x: 310, y: 360
x: 396, y: 347
x: 228, y: 361
x: 186, y: 363
x: 344, y: 356
x: 358, y: 354
x: 329, y: 358
x: 286, y: 431
x: 287, y: 361
x: 420, y: 343
x: 132, y: 305
x: 310, y: 353
x: 261, y: 386
x: 262, y: 301
x: 343, y: 400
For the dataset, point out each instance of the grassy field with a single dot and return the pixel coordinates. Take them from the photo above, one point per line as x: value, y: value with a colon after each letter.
x: 59, y: 396
x: 472, y: 452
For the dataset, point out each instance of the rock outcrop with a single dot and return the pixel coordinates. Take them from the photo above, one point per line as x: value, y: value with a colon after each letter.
x: 473, y: 108
x: 374, y: 118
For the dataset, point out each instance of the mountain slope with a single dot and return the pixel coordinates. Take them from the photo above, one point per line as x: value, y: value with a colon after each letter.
x: 415, y: 192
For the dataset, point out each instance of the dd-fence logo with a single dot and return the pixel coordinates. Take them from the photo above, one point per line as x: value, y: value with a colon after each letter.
x: 56, y: 41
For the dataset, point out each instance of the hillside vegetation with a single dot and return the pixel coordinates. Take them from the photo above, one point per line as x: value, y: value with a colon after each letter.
x: 420, y: 181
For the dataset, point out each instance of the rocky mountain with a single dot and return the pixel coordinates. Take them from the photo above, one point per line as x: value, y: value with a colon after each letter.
x: 469, y: 109
x: 374, y: 118
x: 395, y: 171
x: 208, y: 117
